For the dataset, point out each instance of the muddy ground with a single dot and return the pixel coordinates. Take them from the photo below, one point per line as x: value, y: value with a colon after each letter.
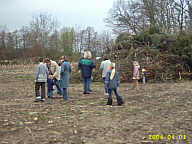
x: 156, y: 113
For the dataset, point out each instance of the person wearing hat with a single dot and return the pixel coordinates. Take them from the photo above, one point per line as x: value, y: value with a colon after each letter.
x: 112, y: 81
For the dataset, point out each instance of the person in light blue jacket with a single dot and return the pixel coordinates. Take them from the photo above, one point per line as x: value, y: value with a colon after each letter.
x: 64, y: 77
x: 41, y: 75
x: 112, y: 81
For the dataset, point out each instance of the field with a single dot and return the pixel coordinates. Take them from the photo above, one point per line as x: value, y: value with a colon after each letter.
x: 158, y: 113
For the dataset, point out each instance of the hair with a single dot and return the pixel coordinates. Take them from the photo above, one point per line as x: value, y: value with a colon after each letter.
x: 46, y: 60
x: 105, y: 57
x: 113, y: 65
x: 135, y: 63
x: 87, y: 54
x: 41, y: 59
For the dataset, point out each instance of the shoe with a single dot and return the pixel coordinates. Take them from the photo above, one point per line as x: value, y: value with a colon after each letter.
x: 106, y: 94
x: 86, y: 93
x: 42, y: 100
x: 120, y: 101
x: 37, y: 100
x: 109, y: 102
x: 50, y: 97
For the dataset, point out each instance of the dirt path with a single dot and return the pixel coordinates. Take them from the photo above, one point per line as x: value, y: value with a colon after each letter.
x: 156, y: 109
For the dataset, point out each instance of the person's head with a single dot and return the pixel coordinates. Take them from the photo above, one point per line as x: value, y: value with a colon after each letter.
x: 105, y: 57
x: 112, y: 65
x: 59, y: 63
x: 40, y: 60
x: 135, y: 63
x: 47, y: 61
x: 64, y: 58
x: 87, y: 55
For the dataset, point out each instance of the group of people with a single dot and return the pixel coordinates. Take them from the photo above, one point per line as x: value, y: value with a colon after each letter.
x: 50, y: 72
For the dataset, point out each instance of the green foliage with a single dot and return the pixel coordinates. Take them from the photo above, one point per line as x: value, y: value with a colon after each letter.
x: 123, y: 37
x: 67, y: 39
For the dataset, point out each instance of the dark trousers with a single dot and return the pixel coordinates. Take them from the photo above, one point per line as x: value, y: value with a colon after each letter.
x: 37, y: 87
x: 65, y: 96
x: 116, y: 93
x: 86, y: 85
x: 106, y: 89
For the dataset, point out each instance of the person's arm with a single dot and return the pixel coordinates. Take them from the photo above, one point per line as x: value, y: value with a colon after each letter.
x: 36, y: 73
x: 79, y: 66
x: 107, y: 79
x: 93, y: 65
x: 101, y: 66
x: 118, y: 79
x: 56, y: 70
x: 62, y: 68
x: 47, y: 72
x: 70, y: 68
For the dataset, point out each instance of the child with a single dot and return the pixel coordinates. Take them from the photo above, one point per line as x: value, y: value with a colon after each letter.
x: 136, y: 77
x: 112, y: 82
x: 41, y: 75
x: 143, y: 75
x: 50, y: 84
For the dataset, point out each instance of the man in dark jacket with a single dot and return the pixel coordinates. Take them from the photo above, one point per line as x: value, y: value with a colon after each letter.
x: 86, y: 65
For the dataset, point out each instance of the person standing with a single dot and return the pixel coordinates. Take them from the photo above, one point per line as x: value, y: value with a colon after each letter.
x: 104, y: 67
x: 65, y: 76
x: 41, y: 75
x: 112, y: 81
x: 54, y: 70
x: 136, y: 76
x: 86, y: 66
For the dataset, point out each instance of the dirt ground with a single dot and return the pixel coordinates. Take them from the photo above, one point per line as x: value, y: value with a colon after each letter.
x: 158, y: 113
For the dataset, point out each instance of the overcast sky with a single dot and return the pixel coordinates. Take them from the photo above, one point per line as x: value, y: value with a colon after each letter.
x: 70, y: 13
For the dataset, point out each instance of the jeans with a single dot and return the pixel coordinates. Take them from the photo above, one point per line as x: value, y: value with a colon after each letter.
x: 89, y: 84
x: 57, y: 83
x: 65, y: 97
x: 37, y: 87
x: 116, y: 94
x: 106, y: 89
x: 86, y: 85
x: 50, y: 93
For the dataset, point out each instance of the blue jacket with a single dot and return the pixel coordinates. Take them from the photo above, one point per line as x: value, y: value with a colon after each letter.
x: 114, y: 83
x: 65, y: 74
x: 86, y: 66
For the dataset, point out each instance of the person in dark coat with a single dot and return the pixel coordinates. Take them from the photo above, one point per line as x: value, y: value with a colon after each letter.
x: 65, y: 76
x: 112, y: 81
x: 86, y: 66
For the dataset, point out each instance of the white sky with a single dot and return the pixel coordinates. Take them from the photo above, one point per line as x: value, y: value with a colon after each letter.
x: 70, y: 13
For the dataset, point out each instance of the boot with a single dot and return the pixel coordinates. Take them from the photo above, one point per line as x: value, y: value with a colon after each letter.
x: 120, y: 101
x: 109, y: 102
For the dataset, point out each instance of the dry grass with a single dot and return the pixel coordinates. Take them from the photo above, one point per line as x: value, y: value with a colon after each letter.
x: 155, y: 109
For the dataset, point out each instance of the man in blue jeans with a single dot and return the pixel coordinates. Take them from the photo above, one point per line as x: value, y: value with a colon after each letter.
x: 86, y: 66
x: 41, y: 75
x: 104, y: 67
